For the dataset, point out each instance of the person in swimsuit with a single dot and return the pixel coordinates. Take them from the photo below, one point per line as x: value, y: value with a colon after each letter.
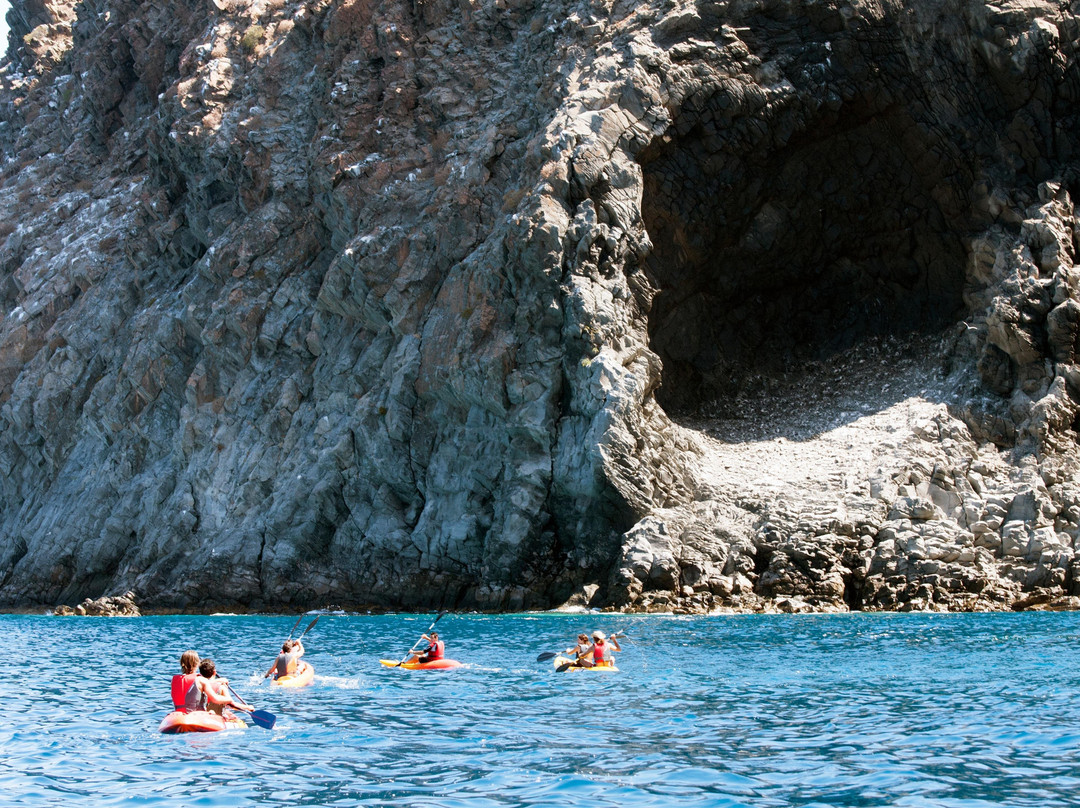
x: 185, y: 694
x: 579, y: 650
x: 214, y: 691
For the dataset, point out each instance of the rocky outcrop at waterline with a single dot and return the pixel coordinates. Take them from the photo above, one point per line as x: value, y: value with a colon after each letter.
x: 763, y: 304
x: 117, y: 606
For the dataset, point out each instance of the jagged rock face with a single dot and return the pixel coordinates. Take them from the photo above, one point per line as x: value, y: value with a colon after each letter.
x: 383, y: 304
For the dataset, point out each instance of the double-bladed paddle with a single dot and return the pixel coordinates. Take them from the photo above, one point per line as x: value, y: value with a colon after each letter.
x: 311, y: 625
x: 261, y: 717
x: 429, y: 628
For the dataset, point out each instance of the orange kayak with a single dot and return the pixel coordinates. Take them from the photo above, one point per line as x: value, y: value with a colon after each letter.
x: 199, y: 721
x: 434, y: 665
x: 304, y: 676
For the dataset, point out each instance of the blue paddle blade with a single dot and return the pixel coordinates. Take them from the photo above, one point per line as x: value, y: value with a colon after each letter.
x: 263, y: 719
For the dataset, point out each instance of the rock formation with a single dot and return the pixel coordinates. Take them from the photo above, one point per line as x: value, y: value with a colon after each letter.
x: 503, y: 304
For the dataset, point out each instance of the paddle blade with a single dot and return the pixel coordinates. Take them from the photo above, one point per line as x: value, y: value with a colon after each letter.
x: 263, y: 719
x: 564, y: 666
x: 544, y: 657
x: 297, y: 623
x: 311, y: 625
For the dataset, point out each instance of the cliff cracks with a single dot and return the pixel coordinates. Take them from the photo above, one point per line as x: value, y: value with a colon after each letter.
x: 731, y: 305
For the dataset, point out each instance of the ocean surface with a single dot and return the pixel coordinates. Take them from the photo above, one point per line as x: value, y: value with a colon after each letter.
x: 845, y: 710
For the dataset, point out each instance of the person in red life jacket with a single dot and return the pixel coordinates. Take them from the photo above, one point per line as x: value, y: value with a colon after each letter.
x: 435, y: 650
x: 185, y: 694
x: 214, y: 691
x: 600, y: 651
x: 288, y: 661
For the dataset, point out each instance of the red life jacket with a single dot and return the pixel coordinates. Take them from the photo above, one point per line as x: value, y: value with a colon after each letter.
x: 181, y: 684
x: 435, y: 651
x: 599, y: 654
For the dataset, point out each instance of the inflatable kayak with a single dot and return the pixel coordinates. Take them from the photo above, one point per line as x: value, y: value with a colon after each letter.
x: 199, y: 721
x: 434, y: 665
x: 304, y: 676
x: 561, y: 660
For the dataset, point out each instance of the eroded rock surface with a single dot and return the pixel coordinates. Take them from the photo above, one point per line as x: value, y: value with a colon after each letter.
x: 747, y: 304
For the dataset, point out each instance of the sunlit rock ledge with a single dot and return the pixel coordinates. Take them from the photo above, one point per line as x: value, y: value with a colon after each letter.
x: 698, y: 307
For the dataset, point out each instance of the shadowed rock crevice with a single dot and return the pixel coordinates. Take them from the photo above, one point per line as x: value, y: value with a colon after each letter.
x: 788, y: 231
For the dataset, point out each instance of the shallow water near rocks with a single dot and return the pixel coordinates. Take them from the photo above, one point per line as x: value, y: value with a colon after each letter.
x: 838, y: 710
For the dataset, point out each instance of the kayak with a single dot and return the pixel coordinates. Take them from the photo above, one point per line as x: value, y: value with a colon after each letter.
x: 434, y: 665
x: 304, y: 676
x: 561, y: 660
x: 199, y: 721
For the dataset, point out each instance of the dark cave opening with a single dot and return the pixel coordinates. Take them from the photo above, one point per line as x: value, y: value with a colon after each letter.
x: 770, y: 256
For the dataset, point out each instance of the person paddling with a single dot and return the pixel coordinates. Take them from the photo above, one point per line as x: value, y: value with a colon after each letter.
x: 214, y: 691
x: 185, y: 694
x: 435, y: 650
x: 580, y: 650
x: 599, y: 653
x: 288, y: 661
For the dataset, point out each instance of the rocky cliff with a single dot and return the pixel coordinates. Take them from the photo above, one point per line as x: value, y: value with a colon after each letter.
x: 503, y: 304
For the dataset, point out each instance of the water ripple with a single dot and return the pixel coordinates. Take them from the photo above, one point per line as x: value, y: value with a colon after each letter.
x: 933, y: 711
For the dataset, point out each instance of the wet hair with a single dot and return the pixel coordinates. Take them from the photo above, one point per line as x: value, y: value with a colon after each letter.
x: 207, y: 668
x: 286, y: 646
x: 189, y: 661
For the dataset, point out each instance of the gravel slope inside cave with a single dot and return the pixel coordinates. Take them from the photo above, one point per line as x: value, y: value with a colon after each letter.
x: 822, y: 432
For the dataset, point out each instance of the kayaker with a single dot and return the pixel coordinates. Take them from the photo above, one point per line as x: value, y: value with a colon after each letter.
x: 288, y: 660
x: 214, y: 690
x: 185, y: 694
x: 599, y: 652
x: 435, y: 650
x: 581, y: 649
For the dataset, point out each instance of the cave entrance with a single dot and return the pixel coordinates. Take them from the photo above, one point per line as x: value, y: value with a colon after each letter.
x: 770, y: 257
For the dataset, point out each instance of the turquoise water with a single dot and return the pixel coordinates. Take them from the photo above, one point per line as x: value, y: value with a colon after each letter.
x: 853, y: 710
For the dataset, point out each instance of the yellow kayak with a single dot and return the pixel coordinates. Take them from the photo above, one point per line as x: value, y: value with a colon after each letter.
x: 561, y: 660
x: 304, y: 676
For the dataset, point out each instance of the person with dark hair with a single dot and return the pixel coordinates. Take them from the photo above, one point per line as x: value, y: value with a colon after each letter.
x: 215, y: 691
x: 436, y: 649
x: 579, y: 650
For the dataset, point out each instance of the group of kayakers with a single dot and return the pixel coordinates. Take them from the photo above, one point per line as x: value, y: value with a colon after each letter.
x: 198, y: 687
x: 597, y: 653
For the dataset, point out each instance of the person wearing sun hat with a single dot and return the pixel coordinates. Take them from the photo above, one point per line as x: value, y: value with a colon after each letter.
x: 599, y: 653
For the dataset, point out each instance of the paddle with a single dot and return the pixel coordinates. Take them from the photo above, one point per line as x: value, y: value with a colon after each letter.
x: 311, y: 625
x: 261, y: 717
x: 544, y: 657
x: 297, y: 623
x: 429, y: 628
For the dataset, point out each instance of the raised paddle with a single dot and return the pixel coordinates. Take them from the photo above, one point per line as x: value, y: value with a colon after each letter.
x: 544, y: 657
x: 412, y: 650
x: 297, y: 623
x: 261, y: 717
x: 311, y: 625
